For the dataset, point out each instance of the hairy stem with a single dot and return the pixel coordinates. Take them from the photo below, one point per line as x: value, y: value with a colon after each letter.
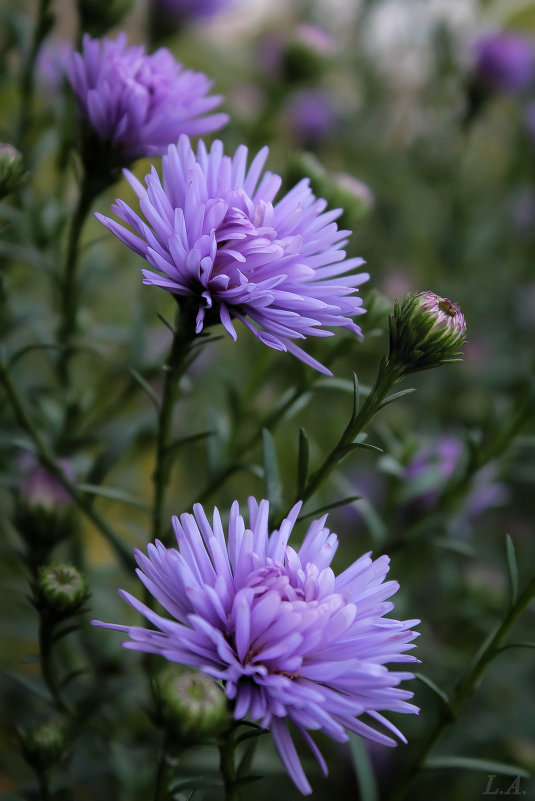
x: 228, y: 768
x: 47, y: 668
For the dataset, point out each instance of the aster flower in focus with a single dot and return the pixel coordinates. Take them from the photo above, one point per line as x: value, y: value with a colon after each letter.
x: 214, y: 233
x: 289, y: 640
x: 137, y: 104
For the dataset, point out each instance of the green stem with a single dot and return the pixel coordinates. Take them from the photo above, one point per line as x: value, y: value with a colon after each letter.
x: 27, y: 78
x: 47, y: 459
x: 174, y: 368
x: 465, y: 688
x: 47, y: 669
x: 69, y: 298
x: 160, y: 785
x: 44, y: 788
x: 228, y: 768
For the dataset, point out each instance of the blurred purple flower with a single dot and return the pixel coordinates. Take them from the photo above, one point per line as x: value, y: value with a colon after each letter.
x: 433, y: 466
x: 193, y: 9
x: 138, y: 103
x: 52, y: 64
x: 310, y: 115
x: 214, y: 234
x: 505, y: 61
x: 289, y: 640
x: 39, y: 488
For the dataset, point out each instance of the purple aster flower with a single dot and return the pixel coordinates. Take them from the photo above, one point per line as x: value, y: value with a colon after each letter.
x: 136, y: 103
x: 213, y: 232
x: 289, y: 640
x: 505, y: 61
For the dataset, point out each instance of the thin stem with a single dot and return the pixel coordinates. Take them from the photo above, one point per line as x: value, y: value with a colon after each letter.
x: 465, y: 688
x: 43, y: 781
x: 47, y: 459
x: 387, y: 375
x: 228, y: 768
x: 27, y: 78
x: 174, y: 368
x: 47, y: 670
x: 69, y: 297
x: 160, y: 785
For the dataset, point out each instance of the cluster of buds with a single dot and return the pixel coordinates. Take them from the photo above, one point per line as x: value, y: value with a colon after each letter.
x: 190, y: 706
x: 426, y: 331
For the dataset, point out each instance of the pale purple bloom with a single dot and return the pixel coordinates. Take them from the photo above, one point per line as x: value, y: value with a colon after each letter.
x: 505, y: 61
x: 140, y: 103
x: 289, y: 640
x: 310, y: 115
x: 39, y: 488
x: 214, y: 233
x: 194, y: 9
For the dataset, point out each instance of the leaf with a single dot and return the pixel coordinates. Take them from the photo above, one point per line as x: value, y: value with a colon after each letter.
x: 114, y: 494
x: 178, y: 443
x: 363, y: 769
x: 29, y: 685
x: 246, y: 761
x: 248, y: 735
x: 345, y: 450
x: 455, y: 546
x: 271, y: 472
x: 512, y: 569
x: 396, y: 396
x: 166, y: 323
x: 356, y: 397
x: 302, y: 461
x: 193, y: 783
x: 146, y: 387
x: 432, y: 686
x: 469, y: 763
x: 515, y: 645
x: 330, y: 506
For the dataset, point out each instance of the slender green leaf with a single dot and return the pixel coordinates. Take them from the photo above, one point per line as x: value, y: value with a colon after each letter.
x: 166, y: 323
x: 455, y: 546
x: 30, y: 685
x: 302, y: 461
x: 353, y: 446
x: 512, y: 569
x: 146, y: 387
x: 248, y: 735
x: 363, y: 769
x: 396, y: 396
x: 175, y: 446
x: 469, y: 763
x: 356, y: 397
x: 246, y: 761
x: 515, y: 645
x: 271, y: 472
x: 432, y: 686
x: 330, y: 506
x: 114, y: 494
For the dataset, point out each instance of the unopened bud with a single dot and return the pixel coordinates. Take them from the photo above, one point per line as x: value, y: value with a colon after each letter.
x: 42, y: 745
x: 60, y: 590
x: 307, y: 53
x: 12, y: 170
x: 426, y: 331
x: 191, y: 705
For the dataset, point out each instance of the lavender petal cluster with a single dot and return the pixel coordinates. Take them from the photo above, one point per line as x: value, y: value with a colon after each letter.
x: 139, y: 103
x: 289, y: 640
x: 213, y: 232
x: 505, y: 61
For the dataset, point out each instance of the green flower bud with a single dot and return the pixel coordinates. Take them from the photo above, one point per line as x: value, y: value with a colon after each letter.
x: 98, y: 16
x: 12, y: 170
x: 425, y: 331
x: 42, y: 745
x: 60, y: 590
x: 191, y: 706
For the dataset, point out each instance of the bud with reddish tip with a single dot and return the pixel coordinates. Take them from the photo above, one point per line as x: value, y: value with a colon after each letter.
x: 426, y: 331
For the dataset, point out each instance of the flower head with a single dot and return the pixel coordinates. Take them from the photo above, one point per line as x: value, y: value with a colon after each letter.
x: 12, y: 170
x: 505, y: 61
x: 213, y: 233
x: 289, y: 640
x: 138, y: 104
